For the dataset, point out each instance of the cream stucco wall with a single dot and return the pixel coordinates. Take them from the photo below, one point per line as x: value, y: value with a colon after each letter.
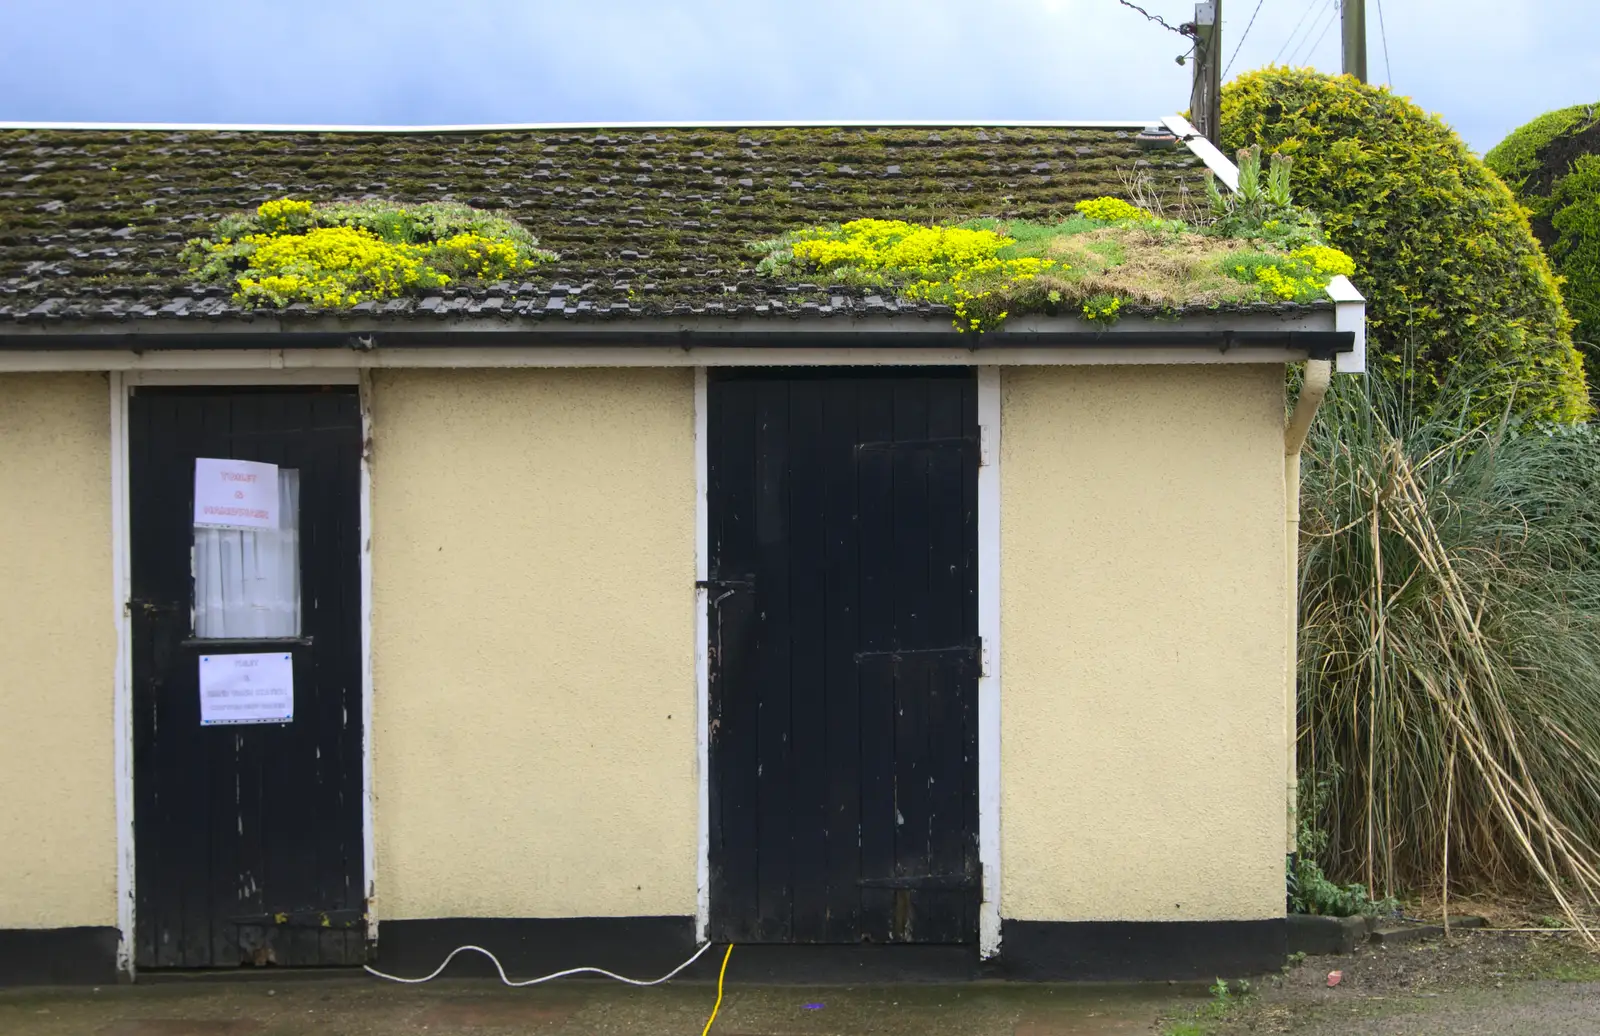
x: 533, y: 643
x: 58, y: 838
x: 1142, y: 612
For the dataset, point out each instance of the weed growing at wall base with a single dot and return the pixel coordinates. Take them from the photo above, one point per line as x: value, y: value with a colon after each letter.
x: 339, y: 254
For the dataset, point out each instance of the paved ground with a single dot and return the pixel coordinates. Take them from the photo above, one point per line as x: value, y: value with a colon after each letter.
x: 352, y: 1007
x: 1475, y: 984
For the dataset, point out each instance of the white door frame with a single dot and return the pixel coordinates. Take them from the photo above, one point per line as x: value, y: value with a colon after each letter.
x: 122, y: 382
x: 988, y: 680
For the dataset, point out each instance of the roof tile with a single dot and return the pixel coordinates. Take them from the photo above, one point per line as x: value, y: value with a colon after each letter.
x: 99, y: 216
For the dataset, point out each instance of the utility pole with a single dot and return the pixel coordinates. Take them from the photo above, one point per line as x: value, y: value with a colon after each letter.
x: 1205, y: 96
x: 1353, y: 27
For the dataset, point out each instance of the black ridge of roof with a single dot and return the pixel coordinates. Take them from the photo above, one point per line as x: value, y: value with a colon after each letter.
x: 647, y: 222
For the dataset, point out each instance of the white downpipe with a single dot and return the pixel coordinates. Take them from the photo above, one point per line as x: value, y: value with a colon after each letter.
x: 1318, y: 375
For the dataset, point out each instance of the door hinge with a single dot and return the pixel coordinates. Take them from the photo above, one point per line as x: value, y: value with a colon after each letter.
x: 747, y: 583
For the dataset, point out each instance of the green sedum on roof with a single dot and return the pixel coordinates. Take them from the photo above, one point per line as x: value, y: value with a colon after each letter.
x: 643, y: 222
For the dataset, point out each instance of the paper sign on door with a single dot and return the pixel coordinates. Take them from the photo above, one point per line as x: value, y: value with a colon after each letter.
x: 235, y: 494
x: 256, y: 688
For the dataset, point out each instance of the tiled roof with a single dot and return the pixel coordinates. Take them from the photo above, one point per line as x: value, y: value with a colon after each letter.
x: 647, y: 222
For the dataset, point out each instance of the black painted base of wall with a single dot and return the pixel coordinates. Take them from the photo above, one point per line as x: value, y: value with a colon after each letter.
x: 58, y: 956
x: 649, y: 947
x: 1121, y: 951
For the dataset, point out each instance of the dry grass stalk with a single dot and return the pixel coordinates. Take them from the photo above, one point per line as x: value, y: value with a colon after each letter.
x: 1450, y: 676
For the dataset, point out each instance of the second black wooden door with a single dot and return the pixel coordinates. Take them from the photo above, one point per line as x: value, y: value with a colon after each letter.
x: 248, y: 844
x: 843, y: 656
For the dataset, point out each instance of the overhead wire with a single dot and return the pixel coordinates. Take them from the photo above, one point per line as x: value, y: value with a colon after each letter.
x: 1311, y: 53
x: 1295, y: 31
x: 1383, y: 32
x: 1242, y: 37
x: 1306, y: 44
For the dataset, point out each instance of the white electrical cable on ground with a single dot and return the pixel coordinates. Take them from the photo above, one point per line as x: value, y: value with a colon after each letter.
x: 543, y: 978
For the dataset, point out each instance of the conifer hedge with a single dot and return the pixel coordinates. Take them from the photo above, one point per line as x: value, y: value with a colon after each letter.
x: 1552, y: 165
x: 1455, y: 280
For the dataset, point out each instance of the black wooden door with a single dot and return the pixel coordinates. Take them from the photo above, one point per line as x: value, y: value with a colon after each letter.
x: 248, y: 845
x: 843, y: 656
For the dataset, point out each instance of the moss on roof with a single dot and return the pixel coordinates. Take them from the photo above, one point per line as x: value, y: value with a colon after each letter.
x: 92, y: 222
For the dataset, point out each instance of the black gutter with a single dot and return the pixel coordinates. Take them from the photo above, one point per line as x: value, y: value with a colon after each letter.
x: 1320, y: 345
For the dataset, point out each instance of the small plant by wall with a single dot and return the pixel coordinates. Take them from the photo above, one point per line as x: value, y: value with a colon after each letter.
x: 1110, y: 254
x: 337, y: 254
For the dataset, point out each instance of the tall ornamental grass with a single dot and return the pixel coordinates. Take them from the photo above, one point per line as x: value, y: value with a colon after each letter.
x: 1450, y: 647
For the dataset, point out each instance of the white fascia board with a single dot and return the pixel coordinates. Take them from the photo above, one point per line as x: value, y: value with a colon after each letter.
x: 222, y: 127
x: 1350, y: 314
x: 1206, y: 151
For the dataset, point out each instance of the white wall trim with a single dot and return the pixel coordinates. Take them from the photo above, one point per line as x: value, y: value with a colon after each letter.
x: 1207, y: 152
x: 325, y: 366
x: 122, y: 679
x: 121, y: 574
x: 702, y: 663
x: 989, y: 672
x: 369, y: 848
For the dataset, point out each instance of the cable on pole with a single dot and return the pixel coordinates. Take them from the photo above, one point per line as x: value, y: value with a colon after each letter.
x: 1154, y: 18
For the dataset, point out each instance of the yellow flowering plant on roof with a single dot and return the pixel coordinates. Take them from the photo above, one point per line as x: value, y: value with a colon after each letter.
x: 1107, y: 256
x: 959, y: 266
x: 335, y: 255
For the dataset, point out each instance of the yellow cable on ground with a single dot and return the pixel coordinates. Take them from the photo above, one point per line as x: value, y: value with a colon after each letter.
x: 718, y: 1005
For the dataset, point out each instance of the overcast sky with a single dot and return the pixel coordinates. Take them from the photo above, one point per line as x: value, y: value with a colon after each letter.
x: 1485, y: 65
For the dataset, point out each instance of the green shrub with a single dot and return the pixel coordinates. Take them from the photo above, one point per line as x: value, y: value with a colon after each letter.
x: 1552, y: 165
x: 1453, y: 275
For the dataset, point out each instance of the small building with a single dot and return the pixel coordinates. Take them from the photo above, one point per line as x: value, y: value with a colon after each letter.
x: 643, y: 601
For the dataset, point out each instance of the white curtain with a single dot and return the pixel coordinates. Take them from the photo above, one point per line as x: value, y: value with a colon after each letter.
x: 247, y: 581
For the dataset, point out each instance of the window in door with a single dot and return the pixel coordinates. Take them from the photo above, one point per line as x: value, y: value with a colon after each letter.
x: 247, y: 581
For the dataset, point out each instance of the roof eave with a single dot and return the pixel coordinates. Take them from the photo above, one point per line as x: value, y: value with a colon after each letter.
x: 1313, y: 331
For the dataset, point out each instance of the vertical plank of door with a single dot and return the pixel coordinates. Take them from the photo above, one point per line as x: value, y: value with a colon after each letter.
x: 912, y: 631
x: 841, y: 572
x: 324, y: 450
x: 969, y: 680
x: 875, y: 486
x: 734, y: 743
x: 808, y: 661
x: 176, y: 717
x: 775, y: 774
x: 148, y: 864
x: 942, y: 913
x: 192, y: 763
x: 347, y: 878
